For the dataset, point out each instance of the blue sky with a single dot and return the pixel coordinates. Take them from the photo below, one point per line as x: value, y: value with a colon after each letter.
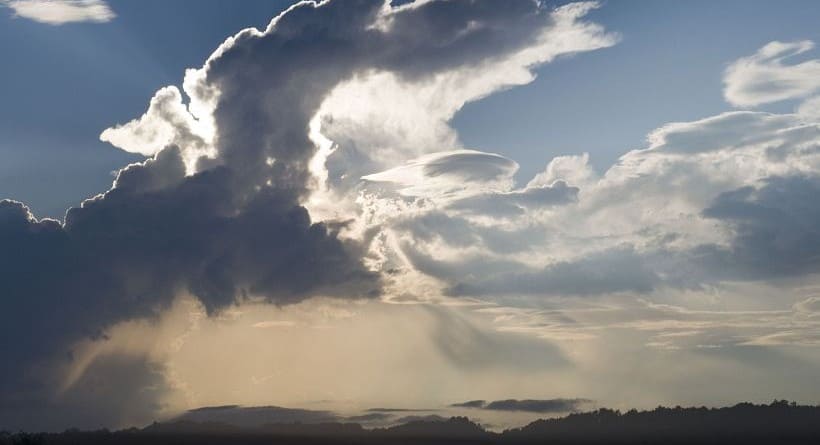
x: 62, y: 85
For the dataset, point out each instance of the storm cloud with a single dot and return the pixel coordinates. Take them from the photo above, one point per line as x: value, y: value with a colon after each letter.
x: 218, y: 211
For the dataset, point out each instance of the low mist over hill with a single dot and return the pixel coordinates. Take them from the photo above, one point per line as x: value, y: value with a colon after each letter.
x: 780, y: 422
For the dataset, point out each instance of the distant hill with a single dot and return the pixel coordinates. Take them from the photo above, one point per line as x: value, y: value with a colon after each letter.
x: 777, y: 423
x: 437, y: 427
x: 255, y: 416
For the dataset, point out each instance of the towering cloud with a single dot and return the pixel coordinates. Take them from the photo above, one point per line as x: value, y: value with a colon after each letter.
x: 218, y: 212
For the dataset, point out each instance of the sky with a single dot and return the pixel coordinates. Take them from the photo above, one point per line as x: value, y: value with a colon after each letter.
x: 359, y: 208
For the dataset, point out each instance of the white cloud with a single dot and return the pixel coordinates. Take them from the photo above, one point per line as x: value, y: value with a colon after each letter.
x: 378, y: 119
x: 810, y: 109
x: 451, y: 172
x: 655, y: 219
x: 167, y: 122
x: 764, y: 77
x: 58, y: 12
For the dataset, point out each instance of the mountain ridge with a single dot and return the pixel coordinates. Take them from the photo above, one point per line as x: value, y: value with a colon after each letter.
x: 779, y: 422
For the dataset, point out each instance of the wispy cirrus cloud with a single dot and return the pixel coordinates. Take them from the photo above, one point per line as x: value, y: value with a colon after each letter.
x: 58, y: 12
x: 764, y: 76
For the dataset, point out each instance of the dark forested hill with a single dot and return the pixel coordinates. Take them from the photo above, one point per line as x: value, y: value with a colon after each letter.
x: 780, y: 422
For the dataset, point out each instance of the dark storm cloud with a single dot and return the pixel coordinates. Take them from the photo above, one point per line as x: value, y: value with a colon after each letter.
x: 127, y: 254
x: 527, y: 405
x: 235, y: 229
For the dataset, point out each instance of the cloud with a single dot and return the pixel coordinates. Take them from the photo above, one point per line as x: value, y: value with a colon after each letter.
x: 726, y: 131
x: 465, y: 171
x: 219, y: 209
x: 527, y: 405
x: 608, y: 272
x: 166, y: 122
x: 810, y: 305
x: 516, y: 202
x: 58, y: 12
x: 658, y: 218
x: 810, y: 109
x: 775, y: 228
x: 315, y: 158
x: 763, y: 77
x: 469, y: 181
x: 127, y: 254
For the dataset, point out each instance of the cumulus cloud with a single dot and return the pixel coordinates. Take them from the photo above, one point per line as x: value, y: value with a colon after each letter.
x: 774, y: 225
x: 684, y: 212
x: 167, y: 122
x: 218, y: 210
x: 58, y: 12
x: 764, y: 77
x: 516, y: 202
